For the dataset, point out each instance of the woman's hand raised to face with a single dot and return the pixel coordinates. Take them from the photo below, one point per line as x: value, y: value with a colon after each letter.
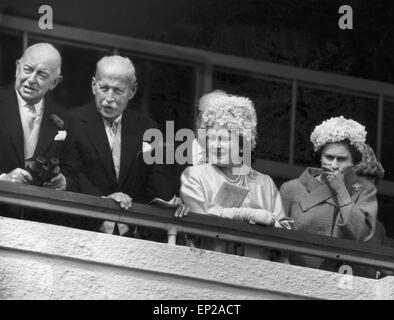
x: 328, y: 174
x: 335, y: 159
x: 336, y: 180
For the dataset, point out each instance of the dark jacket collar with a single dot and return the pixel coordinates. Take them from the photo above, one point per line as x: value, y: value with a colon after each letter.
x: 129, y: 146
x: 12, y: 120
x: 95, y: 130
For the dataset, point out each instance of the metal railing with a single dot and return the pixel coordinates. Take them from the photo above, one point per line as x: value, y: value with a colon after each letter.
x: 205, y: 63
x: 197, y: 224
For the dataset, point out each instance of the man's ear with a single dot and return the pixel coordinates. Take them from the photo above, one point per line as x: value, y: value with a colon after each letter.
x: 17, y: 67
x: 133, y: 90
x: 94, y: 85
x: 55, y: 82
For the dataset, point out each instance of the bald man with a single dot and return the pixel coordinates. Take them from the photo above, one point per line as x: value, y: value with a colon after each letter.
x: 109, y: 141
x: 29, y: 123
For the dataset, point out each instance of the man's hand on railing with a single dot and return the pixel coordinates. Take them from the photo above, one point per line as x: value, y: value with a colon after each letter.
x: 17, y: 175
x: 58, y: 183
x: 125, y: 202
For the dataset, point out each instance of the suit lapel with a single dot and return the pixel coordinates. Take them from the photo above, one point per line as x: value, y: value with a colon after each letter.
x: 48, y: 131
x: 130, y: 145
x: 13, y: 123
x: 317, y: 192
x: 94, y: 128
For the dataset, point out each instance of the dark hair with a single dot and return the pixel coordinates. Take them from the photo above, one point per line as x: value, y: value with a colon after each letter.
x: 370, y: 167
x: 356, y: 155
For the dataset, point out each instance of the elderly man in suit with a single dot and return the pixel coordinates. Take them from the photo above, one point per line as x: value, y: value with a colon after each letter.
x: 109, y: 141
x: 31, y: 125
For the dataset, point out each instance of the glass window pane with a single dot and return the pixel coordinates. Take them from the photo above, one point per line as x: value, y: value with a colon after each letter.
x: 272, y: 101
x: 11, y: 48
x: 385, y: 214
x: 165, y: 91
x: 314, y: 106
x: 388, y: 140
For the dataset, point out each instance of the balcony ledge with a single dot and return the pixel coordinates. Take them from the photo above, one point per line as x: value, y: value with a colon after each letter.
x: 41, y: 261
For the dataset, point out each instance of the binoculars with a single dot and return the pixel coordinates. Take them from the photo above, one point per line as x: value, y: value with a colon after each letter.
x: 43, y: 170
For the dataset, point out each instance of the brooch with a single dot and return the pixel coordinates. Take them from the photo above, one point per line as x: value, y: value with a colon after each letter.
x: 252, y: 174
x: 356, y: 186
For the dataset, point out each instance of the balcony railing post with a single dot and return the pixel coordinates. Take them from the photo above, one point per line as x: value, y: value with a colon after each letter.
x: 25, y: 40
x: 172, y: 232
x: 293, y: 120
x: 380, y: 127
x: 203, y: 83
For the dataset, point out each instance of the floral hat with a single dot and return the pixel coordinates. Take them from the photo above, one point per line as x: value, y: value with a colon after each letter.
x: 235, y: 113
x: 206, y: 98
x: 338, y: 129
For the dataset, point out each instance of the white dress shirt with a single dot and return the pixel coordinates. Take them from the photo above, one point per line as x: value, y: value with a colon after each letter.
x: 31, y: 116
x: 113, y: 131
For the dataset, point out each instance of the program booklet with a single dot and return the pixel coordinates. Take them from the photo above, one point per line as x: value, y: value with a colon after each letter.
x: 173, y: 203
x: 230, y: 196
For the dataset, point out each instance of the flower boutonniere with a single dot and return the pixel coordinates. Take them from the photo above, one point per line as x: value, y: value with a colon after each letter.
x: 61, y: 135
x: 59, y: 123
x: 146, y: 147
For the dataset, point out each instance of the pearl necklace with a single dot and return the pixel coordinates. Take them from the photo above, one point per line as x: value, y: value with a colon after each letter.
x: 237, y: 180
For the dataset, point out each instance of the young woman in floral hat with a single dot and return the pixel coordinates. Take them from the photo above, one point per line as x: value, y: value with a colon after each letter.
x: 332, y: 200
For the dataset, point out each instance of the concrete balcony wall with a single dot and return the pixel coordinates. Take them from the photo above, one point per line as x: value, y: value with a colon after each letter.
x: 40, y: 261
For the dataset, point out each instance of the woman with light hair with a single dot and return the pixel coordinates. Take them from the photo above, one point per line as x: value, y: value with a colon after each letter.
x: 198, y: 149
x: 332, y: 200
x: 226, y: 186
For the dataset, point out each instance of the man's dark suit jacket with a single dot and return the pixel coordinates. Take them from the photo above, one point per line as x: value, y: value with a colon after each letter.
x: 97, y: 176
x: 12, y: 151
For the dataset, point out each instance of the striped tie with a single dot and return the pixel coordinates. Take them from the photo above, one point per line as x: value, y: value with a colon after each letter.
x: 30, y: 141
x: 32, y: 115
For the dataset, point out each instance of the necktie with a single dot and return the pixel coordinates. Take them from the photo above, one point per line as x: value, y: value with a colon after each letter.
x: 114, y: 128
x: 30, y: 135
x: 115, y: 147
x: 31, y: 116
x: 114, y: 139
